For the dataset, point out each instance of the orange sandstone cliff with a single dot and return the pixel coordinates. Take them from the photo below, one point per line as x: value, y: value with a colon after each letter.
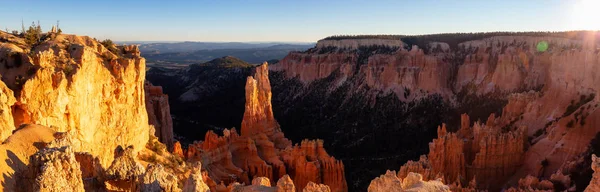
x: 66, y: 103
x: 74, y: 84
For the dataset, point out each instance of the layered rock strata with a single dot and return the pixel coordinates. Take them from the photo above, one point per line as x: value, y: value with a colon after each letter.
x: 504, y: 63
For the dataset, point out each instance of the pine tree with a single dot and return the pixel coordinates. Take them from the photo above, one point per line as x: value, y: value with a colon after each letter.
x: 33, y: 34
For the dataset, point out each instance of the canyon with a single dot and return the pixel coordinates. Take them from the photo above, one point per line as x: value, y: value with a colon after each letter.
x: 364, y: 96
x: 499, y: 111
x: 449, y: 112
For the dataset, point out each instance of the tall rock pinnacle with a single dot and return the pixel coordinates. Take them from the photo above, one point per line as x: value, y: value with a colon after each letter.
x: 258, y: 116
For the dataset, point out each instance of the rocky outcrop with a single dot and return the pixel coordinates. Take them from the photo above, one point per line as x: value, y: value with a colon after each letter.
x: 386, y: 182
x: 177, y: 150
x: 56, y: 169
x: 313, y: 187
x: 157, y: 106
x: 124, y: 172
x: 195, y: 183
x: 285, y: 184
x: 157, y: 178
x: 7, y: 100
x: 75, y: 84
x: 261, y: 181
x: 595, y: 182
x: 413, y: 182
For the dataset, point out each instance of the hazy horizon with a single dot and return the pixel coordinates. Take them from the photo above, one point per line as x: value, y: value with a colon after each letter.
x: 294, y: 21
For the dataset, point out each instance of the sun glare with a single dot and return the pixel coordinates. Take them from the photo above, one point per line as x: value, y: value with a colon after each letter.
x: 585, y: 15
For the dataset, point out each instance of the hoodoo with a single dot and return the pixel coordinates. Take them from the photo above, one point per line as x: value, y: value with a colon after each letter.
x: 262, y: 149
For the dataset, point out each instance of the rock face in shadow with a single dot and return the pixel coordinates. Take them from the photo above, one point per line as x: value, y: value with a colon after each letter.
x: 205, y: 96
x: 159, y: 114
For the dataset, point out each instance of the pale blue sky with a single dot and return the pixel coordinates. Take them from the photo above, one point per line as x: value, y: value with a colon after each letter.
x: 285, y: 20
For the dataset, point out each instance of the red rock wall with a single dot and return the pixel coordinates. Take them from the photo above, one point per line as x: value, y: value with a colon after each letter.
x: 502, y: 63
x: 309, y: 67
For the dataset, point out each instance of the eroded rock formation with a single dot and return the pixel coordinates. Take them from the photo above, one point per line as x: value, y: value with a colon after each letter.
x: 124, y: 172
x: 595, y: 182
x: 56, y: 169
x: 262, y: 149
x: 483, y: 152
x: 313, y: 187
x: 157, y: 178
x: 195, y: 182
x: 16, y: 152
x: 258, y: 116
x: 413, y: 182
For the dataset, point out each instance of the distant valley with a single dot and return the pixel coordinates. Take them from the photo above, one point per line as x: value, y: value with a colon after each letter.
x: 185, y: 53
